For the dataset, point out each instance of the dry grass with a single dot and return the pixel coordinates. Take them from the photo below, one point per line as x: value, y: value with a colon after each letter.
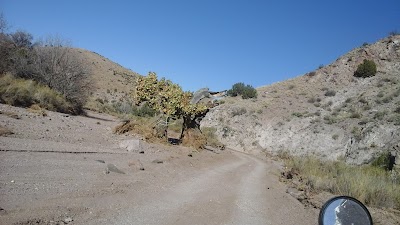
x: 209, y: 133
x: 142, y: 126
x: 194, y: 138
x: 371, y: 185
x: 25, y: 93
x: 35, y: 108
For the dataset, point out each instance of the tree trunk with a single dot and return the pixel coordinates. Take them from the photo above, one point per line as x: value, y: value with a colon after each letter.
x: 188, y: 123
x: 166, y: 127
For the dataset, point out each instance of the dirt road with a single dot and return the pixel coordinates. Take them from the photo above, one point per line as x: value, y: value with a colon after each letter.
x: 70, y: 170
x: 239, y: 191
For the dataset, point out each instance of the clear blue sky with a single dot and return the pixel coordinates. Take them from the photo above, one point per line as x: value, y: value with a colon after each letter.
x: 211, y: 43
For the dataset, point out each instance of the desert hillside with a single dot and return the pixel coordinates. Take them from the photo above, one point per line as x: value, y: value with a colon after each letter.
x: 111, y: 81
x: 327, y: 112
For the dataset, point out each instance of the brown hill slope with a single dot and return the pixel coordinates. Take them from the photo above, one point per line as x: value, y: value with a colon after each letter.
x: 327, y: 112
x: 111, y: 81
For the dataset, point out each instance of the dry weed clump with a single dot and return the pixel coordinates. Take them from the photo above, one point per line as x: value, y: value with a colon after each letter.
x: 140, y: 126
x: 25, y: 93
x: 194, y: 138
x: 371, y: 185
x: 35, y: 108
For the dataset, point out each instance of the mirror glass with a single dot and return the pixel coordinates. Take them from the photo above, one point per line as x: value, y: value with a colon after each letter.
x: 345, y: 211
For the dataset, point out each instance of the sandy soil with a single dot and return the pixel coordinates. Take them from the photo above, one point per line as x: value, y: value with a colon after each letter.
x: 61, y: 169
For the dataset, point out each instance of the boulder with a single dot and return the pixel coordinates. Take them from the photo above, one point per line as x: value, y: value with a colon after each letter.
x: 131, y: 145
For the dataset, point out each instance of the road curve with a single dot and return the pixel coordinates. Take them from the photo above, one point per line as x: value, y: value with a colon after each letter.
x: 240, y: 191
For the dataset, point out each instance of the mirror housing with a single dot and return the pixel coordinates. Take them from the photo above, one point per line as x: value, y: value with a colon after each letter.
x: 344, y: 210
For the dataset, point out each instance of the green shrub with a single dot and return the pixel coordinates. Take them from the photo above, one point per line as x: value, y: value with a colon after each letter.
x: 383, y: 161
x: 297, y: 114
x: 355, y: 115
x: 330, y: 119
x: 380, y: 115
x: 380, y: 94
x: 330, y: 93
x: 395, y: 119
x: 246, y: 91
x: 127, y: 107
x: 366, y: 69
x: 387, y: 99
x: 397, y: 110
x: 145, y: 111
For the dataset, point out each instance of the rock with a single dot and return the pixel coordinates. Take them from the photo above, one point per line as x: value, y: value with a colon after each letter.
x: 299, y: 195
x: 200, y: 94
x: 158, y: 161
x: 113, y: 168
x: 136, y: 164
x: 68, y: 220
x: 212, y: 149
x: 190, y: 155
x: 2, y: 211
x: 131, y: 145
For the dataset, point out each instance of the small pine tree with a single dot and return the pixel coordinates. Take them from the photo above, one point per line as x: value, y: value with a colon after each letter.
x: 366, y: 69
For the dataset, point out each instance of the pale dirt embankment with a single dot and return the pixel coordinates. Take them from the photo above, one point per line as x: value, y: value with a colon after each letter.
x: 53, y: 170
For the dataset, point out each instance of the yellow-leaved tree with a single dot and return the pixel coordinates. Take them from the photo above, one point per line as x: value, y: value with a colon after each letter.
x: 169, y: 99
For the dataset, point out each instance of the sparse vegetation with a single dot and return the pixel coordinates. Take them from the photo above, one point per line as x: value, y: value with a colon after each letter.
x: 366, y: 69
x: 373, y: 186
x: 209, y: 133
x: 311, y: 74
x: 330, y: 119
x: 238, y: 111
x: 246, y: 91
x: 25, y: 93
x: 380, y: 115
x: 227, y: 131
x: 357, y: 133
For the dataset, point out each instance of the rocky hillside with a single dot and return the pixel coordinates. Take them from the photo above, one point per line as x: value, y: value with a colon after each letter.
x: 327, y: 112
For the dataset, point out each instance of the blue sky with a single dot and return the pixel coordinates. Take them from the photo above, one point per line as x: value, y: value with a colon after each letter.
x: 211, y: 43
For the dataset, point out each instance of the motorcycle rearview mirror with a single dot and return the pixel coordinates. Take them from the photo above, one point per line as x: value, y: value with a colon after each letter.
x: 344, y: 210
